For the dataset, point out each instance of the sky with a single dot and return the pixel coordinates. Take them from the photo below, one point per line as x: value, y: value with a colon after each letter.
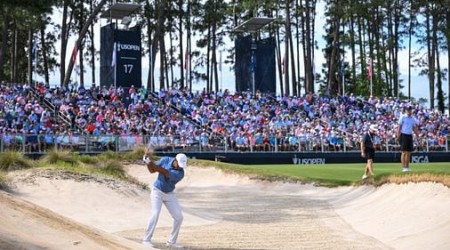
x: 419, y: 84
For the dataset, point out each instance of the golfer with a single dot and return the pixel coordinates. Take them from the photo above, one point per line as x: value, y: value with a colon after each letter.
x: 368, y: 150
x: 170, y: 172
x: 407, y: 124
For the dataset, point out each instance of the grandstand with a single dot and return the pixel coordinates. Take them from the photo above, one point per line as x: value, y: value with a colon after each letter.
x: 97, y: 119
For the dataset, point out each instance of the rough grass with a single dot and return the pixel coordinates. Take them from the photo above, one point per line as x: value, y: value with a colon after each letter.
x: 86, y: 159
x: 108, y: 155
x: 108, y: 164
x: 415, y: 177
x: 14, y: 160
x: 53, y: 156
x: 134, y: 155
x: 111, y: 167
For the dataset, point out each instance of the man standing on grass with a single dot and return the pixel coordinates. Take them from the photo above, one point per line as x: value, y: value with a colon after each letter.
x: 368, y: 150
x: 407, y: 124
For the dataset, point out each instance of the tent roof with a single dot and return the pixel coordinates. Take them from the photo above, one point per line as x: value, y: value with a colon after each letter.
x: 120, y: 10
x: 253, y: 24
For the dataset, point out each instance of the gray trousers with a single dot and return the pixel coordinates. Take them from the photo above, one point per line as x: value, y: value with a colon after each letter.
x: 171, y: 202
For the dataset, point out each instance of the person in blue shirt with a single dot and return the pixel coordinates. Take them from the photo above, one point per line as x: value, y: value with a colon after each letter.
x: 170, y: 171
x: 407, y: 124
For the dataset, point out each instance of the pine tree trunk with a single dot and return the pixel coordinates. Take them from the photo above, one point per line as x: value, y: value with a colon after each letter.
x: 64, y: 38
x: 4, y: 46
x: 44, y: 56
x: 286, y: 50
x: 361, y: 49
x: 81, y: 62
x: 353, y: 49
x: 332, y: 86
x: 309, y: 60
x: 437, y: 68
x: 162, y: 60
x: 151, y: 45
x: 30, y: 57
x: 80, y: 38
x: 180, y: 37
x: 448, y: 55
x: 14, y: 55
x: 440, y: 92
x: 170, y: 65
x: 92, y: 46
x: 278, y: 51
x: 430, y: 52
x: 214, y: 55
x: 208, y: 61
x: 188, y: 46
x: 297, y: 46
x: 293, y: 75
x: 395, y: 75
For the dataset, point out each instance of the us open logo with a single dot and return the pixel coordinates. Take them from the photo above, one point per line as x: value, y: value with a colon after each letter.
x: 307, y: 161
x: 122, y: 46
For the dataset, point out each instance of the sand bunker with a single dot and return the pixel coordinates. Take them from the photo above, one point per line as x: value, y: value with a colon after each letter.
x: 221, y: 211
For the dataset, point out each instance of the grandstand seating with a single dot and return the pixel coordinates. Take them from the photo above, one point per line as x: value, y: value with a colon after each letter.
x: 173, y: 120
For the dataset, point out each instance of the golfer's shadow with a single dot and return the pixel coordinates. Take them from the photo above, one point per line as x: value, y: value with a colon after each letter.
x: 157, y: 245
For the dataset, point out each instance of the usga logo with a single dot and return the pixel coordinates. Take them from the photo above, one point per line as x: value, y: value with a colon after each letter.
x: 419, y: 159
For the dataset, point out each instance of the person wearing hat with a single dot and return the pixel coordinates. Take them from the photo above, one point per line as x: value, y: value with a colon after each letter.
x: 407, y: 124
x: 368, y: 150
x: 170, y: 171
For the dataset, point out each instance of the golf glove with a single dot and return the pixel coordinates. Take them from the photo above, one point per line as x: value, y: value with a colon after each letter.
x: 146, y: 159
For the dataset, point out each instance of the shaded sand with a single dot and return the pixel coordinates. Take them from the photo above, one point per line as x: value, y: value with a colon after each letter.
x: 221, y: 211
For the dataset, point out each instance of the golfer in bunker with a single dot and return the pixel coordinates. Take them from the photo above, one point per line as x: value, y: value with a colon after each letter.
x: 170, y: 171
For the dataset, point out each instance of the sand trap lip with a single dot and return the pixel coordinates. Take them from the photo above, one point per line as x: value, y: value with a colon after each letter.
x: 28, y: 226
x: 227, y: 211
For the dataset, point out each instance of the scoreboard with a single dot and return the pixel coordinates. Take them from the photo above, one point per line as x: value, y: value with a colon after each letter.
x: 120, y: 57
x: 128, y: 58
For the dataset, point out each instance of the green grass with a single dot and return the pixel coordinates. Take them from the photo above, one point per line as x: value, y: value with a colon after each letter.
x: 111, y: 164
x: 340, y: 174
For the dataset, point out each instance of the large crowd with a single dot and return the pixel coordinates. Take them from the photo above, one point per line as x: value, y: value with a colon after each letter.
x: 239, y: 121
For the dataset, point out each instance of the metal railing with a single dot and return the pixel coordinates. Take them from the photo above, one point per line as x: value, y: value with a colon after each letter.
x: 57, y: 114
x: 41, y: 143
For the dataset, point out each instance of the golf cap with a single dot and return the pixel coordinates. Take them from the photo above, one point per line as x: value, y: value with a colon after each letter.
x: 408, y: 106
x: 182, y: 160
x: 374, y: 128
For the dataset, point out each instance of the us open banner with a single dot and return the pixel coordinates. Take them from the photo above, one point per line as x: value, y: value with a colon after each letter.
x: 127, y: 58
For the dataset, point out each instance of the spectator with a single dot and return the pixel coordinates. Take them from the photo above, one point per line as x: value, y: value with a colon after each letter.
x: 368, y: 150
x: 407, y: 125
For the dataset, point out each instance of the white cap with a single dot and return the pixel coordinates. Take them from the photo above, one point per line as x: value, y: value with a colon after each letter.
x: 182, y: 160
x: 374, y: 128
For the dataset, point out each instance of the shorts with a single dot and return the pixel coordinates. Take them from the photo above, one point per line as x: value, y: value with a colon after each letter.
x: 406, y: 143
x: 370, y: 154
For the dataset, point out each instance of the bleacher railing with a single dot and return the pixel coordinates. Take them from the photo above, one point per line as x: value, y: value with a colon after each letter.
x: 41, y: 143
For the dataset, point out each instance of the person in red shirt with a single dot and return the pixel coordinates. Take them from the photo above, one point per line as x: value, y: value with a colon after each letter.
x: 91, y: 127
